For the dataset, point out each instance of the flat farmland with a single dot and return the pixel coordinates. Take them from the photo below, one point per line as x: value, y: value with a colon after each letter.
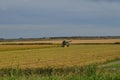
x: 23, y: 47
x: 35, y: 56
x: 73, y: 41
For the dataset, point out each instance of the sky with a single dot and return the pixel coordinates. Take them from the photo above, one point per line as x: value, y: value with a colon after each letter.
x: 53, y: 18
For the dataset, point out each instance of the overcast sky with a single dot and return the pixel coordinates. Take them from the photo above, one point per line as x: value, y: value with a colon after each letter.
x: 49, y: 18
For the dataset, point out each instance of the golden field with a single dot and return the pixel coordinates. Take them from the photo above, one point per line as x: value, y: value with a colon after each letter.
x: 35, y: 56
x: 23, y: 47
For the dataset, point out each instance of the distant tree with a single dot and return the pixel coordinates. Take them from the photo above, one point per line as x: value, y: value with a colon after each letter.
x: 1, y: 39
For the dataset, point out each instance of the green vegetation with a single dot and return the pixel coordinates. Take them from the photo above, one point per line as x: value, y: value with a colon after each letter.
x: 90, y: 72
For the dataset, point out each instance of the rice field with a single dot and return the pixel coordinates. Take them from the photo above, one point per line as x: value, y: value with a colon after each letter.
x: 23, y: 47
x: 36, y: 56
x: 47, y: 60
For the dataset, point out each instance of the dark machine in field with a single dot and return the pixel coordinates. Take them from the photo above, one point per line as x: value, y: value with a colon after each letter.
x: 66, y: 43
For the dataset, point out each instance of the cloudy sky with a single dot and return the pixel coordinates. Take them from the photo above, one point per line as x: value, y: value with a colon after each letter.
x: 49, y: 18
